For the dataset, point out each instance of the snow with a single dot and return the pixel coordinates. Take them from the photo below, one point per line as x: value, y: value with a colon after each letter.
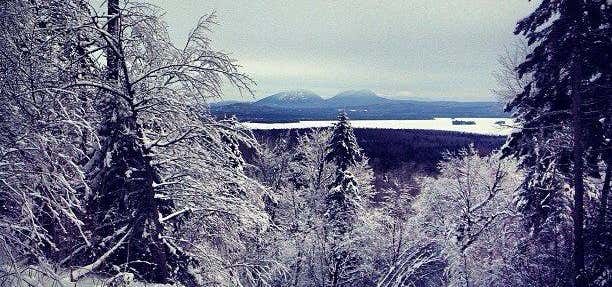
x: 108, y: 159
x: 595, y: 77
x: 36, y: 276
x: 295, y: 95
x: 485, y: 126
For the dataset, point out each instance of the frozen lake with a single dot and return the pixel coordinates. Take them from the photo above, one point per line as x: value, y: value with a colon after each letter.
x: 486, y: 126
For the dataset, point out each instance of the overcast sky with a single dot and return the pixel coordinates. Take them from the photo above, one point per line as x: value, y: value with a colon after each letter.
x: 404, y: 48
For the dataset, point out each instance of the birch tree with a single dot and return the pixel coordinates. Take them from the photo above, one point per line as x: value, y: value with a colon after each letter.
x: 469, y: 212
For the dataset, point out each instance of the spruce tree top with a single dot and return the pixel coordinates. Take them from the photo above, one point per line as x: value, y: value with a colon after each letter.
x: 343, y: 149
x: 571, y: 54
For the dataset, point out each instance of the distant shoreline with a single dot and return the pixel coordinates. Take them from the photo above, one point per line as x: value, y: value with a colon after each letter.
x: 482, y: 126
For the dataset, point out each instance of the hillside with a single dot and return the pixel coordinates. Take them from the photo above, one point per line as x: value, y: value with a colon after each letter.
x: 292, y: 99
x: 357, y: 99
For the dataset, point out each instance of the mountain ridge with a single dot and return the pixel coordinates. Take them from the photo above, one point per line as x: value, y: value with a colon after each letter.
x: 291, y: 99
x: 290, y: 106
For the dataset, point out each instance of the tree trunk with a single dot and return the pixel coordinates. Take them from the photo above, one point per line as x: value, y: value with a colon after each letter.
x: 573, y: 13
x: 124, y: 134
x: 112, y: 59
x: 578, y: 171
x: 605, y: 191
x: 336, y: 272
x: 298, y: 269
x: 466, y: 273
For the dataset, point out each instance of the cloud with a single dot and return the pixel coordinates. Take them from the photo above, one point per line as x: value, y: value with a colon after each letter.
x: 434, y: 49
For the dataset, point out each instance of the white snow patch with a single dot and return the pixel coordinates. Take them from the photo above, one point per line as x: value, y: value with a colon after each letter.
x: 108, y: 157
x: 595, y: 77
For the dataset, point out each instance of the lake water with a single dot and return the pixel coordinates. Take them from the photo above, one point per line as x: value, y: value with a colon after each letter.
x: 486, y: 126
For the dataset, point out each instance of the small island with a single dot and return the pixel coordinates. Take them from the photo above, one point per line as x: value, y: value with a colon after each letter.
x: 461, y: 123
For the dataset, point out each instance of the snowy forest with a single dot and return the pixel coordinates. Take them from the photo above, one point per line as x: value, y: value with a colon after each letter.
x: 113, y: 172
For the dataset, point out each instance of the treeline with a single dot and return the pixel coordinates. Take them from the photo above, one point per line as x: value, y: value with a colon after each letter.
x: 391, y: 149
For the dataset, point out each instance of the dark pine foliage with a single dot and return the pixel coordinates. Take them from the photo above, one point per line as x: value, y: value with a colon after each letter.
x: 391, y: 149
x: 564, y: 111
x: 124, y: 209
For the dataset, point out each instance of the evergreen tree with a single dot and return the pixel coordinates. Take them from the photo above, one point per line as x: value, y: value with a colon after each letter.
x: 343, y: 149
x: 162, y: 160
x: 562, y: 109
x: 341, y: 202
x: 123, y: 208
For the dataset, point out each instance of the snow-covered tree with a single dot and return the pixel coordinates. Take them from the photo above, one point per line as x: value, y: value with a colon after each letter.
x: 109, y: 159
x: 45, y: 133
x: 509, y: 81
x: 298, y: 175
x: 343, y: 149
x: 398, y: 256
x: 168, y: 200
x: 567, y: 101
x: 295, y: 172
x: 468, y: 210
x: 341, y: 204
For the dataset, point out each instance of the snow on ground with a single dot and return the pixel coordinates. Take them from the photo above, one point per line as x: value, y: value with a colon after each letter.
x: 485, y: 126
x: 37, y: 276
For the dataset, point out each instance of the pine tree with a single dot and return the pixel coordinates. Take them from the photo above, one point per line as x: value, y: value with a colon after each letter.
x: 124, y: 208
x: 162, y: 162
x: 341, y: 201
x: 344, y: 152
x: 343, y: 149
x: 600, y: 19
x: 561, y: 109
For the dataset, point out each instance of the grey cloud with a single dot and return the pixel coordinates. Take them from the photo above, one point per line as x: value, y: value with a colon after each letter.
x: 433, y: 49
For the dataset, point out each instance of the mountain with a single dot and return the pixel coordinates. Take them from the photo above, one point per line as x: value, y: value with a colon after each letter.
x: 304, y: 99
x: 292, y: 99
x: 360, y: 105
x: 356, y: 98
x: 226, y: 103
